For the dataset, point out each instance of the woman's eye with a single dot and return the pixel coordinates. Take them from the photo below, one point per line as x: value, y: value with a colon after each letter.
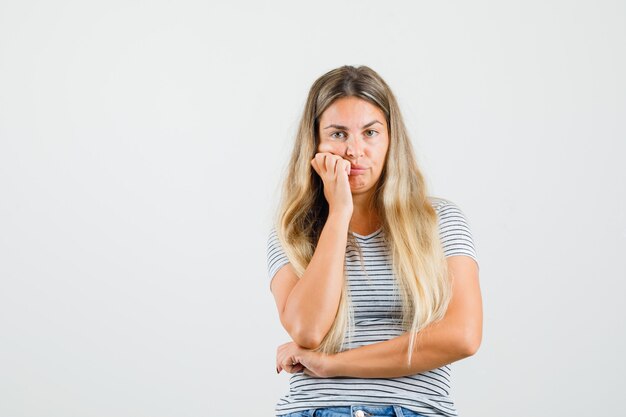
x: 370, y: 133
x: 337, y: 135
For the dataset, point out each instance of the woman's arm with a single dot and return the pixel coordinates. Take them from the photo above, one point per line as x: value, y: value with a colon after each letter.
x: 456, y: 336
x: 307, y: 306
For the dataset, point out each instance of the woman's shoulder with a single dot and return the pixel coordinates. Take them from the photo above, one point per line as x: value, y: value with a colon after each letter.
x: 454, y: 228
x: 447, y: 209
x: 440, y: 203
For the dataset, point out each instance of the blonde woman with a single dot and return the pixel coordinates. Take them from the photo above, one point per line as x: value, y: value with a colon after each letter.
x: 375, y: 281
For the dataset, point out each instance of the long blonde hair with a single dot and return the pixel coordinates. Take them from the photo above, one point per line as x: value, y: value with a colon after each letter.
x: 408, y: 219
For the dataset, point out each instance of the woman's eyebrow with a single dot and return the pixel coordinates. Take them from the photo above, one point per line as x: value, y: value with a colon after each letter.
x: 345, y: 128
x: 336, y: 127
x: 370, y: 124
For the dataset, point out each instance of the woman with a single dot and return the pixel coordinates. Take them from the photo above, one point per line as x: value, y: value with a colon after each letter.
x: 375, y: 282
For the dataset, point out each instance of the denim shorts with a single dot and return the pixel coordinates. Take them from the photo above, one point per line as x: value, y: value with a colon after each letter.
x: 356, y: 411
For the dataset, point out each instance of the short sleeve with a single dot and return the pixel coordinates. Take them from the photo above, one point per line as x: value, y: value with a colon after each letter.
x: 454, y: 231
x: 276, y: 257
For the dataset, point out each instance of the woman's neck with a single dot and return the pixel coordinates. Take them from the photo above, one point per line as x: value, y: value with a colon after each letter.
x: 364, y: 219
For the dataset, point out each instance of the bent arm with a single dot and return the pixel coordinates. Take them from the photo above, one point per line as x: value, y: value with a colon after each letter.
x: 456, y: 336
x: 307, y: 306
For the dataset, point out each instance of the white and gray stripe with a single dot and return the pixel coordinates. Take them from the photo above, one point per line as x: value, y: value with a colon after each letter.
x: 377, y: 317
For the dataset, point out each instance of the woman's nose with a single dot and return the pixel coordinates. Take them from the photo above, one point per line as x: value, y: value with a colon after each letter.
x: 354, y: 148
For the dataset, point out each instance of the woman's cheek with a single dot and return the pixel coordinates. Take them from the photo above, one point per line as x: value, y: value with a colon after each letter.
x: 328, y: 147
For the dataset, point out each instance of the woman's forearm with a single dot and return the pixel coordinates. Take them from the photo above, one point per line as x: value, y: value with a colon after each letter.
x: 435, y: 346
x: 312, y: 304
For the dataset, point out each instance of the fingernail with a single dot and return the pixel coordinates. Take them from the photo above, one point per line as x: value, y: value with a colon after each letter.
x: 277, y: 371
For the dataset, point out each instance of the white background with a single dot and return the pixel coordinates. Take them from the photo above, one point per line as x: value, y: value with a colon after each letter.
x: 142, y: 145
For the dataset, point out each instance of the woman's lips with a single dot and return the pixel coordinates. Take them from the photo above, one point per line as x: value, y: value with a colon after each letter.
x: 357, y: 170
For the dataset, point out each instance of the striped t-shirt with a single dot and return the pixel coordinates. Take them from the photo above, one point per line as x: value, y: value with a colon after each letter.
x: 377, y: 318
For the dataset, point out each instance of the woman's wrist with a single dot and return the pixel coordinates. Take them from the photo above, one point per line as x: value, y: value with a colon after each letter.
x: 341, y: 215
x: 331, y: 365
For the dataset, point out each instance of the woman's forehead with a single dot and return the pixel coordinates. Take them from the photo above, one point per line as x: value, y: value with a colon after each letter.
x: 351, y: 112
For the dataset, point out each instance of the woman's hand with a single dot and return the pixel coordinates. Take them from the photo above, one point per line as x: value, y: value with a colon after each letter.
x: 334, y: 171
x: 293, y: 358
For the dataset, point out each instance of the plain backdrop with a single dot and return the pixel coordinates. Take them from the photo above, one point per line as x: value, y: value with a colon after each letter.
x: 142, y: 147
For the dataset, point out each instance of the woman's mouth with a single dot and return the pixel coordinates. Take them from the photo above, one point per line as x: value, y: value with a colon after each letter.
x: 357, y: 170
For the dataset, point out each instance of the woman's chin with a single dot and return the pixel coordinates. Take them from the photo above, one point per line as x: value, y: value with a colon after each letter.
x: 360, y: 189
x: 356, y: 182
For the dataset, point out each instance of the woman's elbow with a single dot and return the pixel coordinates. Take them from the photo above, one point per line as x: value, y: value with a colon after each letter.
x: 303, y: 334
x: 306, y: 338
x: 471, y: 338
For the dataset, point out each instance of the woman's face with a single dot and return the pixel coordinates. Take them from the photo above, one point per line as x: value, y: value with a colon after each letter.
x: 356, y: 130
